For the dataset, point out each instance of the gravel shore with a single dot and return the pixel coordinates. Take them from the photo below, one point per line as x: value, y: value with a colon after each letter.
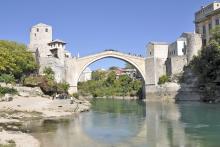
x: 13, y: 113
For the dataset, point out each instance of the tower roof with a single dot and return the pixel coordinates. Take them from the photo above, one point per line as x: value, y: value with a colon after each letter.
x: 57, y: 41
x: 41, y: 25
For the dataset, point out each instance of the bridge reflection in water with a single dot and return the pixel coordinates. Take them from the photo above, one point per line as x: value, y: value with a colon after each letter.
x: 154, y: 125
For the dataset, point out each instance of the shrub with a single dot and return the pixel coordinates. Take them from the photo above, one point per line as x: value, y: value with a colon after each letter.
x: 62, y: 87
x: 4, y: 90
x: 163, y: 79
x: 76, y: 95
x: 7, y: 78
x: 33, y: 81
x: 49, y: 73
x: 49, y: 87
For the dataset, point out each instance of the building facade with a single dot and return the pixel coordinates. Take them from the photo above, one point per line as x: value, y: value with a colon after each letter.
x: 206, y: 19
x: 172, y: 57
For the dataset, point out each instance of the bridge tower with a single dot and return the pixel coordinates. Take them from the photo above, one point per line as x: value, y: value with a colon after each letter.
x: 40, y: 36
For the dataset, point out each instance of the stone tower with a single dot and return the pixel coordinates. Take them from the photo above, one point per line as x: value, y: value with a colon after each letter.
x: 57, y: 49
x: 40, y: 36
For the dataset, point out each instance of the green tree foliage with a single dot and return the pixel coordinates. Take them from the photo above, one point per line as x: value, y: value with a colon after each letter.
x: 108, y: 84
x: 7, y: 78
x: 47, y: 83
x: 163, y: 79
x: 62, y: 87
x: 98, y: 75
x: 207, y: 64
x: 49, y: 73
x: 15, y: 59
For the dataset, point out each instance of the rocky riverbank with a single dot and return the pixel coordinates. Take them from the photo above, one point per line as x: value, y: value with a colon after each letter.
x: 172, y: 92
x: 31, y: 104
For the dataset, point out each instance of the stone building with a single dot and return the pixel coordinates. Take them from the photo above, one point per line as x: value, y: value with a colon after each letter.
x: 170, y: 58
x: 49, y: 52
x: 157, y: 50
x: 206, y: 19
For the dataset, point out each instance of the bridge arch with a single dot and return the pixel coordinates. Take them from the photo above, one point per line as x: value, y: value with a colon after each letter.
x: 83, y: 62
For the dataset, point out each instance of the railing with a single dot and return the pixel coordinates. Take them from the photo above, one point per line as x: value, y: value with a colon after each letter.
x: 111, y: 50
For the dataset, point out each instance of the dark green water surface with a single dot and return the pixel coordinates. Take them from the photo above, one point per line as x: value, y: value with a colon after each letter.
x: 121, y: 123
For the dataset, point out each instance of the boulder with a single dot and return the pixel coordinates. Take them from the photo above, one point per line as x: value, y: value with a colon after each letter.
x: 8, y: 97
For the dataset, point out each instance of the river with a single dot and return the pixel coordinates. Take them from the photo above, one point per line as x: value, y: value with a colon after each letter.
x: 121, y: 123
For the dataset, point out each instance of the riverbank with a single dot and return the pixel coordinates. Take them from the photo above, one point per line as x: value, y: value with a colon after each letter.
x: 172, y: 92
x: 21, y: 109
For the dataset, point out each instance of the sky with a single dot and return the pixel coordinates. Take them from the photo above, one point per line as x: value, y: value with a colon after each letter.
x: 91, y: 26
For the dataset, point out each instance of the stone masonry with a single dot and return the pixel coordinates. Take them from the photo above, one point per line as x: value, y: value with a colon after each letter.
x: 68, y: 68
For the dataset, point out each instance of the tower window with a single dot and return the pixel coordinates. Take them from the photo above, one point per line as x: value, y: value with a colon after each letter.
x: 46, y: 30
x: 210, y: 26
x: 204, y: 30
x: 35, y: 34
x: 217, y: 22
x: 37, y: 30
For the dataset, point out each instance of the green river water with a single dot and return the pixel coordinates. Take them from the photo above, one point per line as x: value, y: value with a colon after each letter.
x: 121, y: 123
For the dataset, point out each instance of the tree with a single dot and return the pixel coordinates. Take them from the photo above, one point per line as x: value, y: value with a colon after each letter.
x: 125, y: 83
x: 207, y: 65
x: 49, y: 73
x: 98, y: 75
x: 15, y: 59
x: 110, y: 79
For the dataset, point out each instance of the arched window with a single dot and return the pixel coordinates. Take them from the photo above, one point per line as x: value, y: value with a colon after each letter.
x: 37, y: 29
x: 46, y: 30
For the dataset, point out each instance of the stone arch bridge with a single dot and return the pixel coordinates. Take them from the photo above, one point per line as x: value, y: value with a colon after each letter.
x: 75, y: 66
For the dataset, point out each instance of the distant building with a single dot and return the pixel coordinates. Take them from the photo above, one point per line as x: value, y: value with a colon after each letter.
x: 86, y: 75
x: 207, y: 18
x: 131, y: 72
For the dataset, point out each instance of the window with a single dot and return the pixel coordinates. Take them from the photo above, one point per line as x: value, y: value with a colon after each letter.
x: 217, y: 22
x: 204, y: 30
x: 46, y: 30
x: 150, y: 53
x: 204, y: 42
x: 210, y: 26
x: 37, y: 30
x: 35, y: 34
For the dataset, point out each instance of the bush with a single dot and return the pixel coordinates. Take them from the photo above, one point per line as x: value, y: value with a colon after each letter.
x: 62, y: 87
x: 7, y: 78
x: 163, y: 79
x: 49, y: 87
x: 76, y: 95
x: 4, y: 90
x: 49, y: 73
x: 33, y: 81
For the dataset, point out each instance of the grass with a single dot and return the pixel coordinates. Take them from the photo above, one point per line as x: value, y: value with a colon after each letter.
x: 10, y: 143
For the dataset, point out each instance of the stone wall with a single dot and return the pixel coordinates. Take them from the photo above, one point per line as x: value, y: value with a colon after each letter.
x: 175, y: 64
x: 194, y: 44
x: 172, y: 92
x: 57, y: 66
x: 155, y: 68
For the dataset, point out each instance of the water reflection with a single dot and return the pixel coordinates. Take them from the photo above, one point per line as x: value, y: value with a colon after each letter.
x: 135, y: 124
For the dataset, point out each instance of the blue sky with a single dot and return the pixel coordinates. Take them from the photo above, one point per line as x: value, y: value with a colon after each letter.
x: 90, y: 26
